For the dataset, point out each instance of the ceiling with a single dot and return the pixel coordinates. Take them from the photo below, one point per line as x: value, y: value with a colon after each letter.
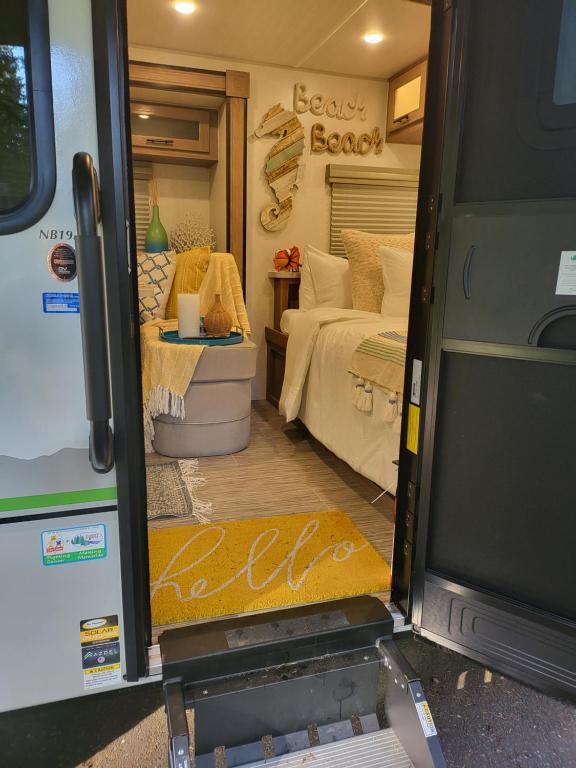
x: 321, y: 35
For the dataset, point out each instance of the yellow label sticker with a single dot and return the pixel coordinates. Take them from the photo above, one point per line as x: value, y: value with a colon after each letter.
x: 413, y: 428
x: 99, y: 635
x: 99, y: 670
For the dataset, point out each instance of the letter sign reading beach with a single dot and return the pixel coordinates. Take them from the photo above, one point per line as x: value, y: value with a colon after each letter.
x: 318, y: 105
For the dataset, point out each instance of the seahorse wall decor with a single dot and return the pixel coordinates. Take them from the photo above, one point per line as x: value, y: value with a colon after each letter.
x: 284, y: 168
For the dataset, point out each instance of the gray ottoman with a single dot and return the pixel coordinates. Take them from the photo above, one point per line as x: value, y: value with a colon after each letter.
x: 217, y: 406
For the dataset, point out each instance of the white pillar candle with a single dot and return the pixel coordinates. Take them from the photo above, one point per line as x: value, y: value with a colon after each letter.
x: 188, y: 315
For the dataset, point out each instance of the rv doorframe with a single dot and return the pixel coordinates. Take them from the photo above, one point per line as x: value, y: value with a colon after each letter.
x: 115, y: 171
x: 405, y: 579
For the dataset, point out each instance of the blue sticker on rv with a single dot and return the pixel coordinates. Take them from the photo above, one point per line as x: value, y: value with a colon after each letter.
x: 61, y: 303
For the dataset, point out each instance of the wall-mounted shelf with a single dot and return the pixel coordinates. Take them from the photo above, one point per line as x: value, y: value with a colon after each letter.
x: 169, y: 134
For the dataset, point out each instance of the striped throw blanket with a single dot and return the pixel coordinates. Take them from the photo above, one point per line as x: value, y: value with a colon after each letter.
x: 380, y: 360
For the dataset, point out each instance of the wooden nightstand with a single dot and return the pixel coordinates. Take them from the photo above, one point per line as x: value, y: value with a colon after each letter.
x: 286, y: 285
x: 276, y: 342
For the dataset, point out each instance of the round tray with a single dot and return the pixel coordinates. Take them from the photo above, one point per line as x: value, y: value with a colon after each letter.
x: 171, y: 337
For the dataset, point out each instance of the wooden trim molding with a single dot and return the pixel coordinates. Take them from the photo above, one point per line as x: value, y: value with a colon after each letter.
x: 236, y: 115
x: 237, y: 83
x: 164, y: 76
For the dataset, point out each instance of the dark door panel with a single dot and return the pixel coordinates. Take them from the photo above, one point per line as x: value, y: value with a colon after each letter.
x: 503, y: 479
x: 503, y: 271
x: 514, y: 639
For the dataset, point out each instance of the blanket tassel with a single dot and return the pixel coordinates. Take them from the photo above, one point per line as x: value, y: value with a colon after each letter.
x: 363, y: 398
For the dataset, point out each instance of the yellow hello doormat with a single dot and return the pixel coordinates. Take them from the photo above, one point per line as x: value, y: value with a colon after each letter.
x: 217, y: 569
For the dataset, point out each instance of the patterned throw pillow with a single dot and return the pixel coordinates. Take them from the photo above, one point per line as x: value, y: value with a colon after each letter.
x: 191, y: 267
x: 156, y: 270
x: 366, y: 265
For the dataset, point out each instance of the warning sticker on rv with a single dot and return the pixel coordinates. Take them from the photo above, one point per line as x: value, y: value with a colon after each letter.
x: 72, y: 545
x: 426, y: 719
x: 413, y: 428
x: 100, y: 645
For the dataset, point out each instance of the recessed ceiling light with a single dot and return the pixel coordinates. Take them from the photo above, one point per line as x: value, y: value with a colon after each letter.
x: 185, y: 8
x: 144, y: 117
x: 373, y: 37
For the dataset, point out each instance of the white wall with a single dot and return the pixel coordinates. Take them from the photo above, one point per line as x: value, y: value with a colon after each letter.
x: 309, y: 222
x: 183, y: 190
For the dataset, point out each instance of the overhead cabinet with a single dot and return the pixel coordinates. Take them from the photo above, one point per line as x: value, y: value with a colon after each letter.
x: 165, y: 133
x: 406, y: 97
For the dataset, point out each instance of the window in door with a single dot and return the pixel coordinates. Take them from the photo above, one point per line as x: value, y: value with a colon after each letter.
x: 518, y: 139
x: 27, y: 155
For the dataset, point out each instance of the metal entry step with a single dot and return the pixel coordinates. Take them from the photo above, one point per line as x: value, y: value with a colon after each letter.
x: 374, y: 750
x: 363, y: 708
x: 226, y: 647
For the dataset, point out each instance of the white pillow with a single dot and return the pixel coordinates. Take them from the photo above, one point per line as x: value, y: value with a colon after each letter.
x: 397, y: 278
x: 324, y: 281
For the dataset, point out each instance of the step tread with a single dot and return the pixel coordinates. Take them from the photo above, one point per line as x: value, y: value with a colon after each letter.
x: 381, y: 749
x: 233, y: 646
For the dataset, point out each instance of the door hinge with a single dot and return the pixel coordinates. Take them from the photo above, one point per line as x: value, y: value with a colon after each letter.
x: 431, y: 242
x: 427, y: 295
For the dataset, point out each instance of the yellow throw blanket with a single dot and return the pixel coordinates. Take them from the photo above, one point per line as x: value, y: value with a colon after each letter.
x: 222, y: 277
x: 167, y: 369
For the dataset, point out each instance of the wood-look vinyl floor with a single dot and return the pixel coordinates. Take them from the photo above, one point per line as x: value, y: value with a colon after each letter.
x: 284, y: 470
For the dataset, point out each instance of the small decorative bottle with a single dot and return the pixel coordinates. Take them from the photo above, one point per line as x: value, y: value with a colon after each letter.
x: 218, y: 321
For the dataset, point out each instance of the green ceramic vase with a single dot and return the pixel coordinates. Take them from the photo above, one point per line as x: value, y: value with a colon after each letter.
x: 156, y: 237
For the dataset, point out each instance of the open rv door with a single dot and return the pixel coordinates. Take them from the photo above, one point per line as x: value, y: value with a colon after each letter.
x: 484, y: 558
x: 74, y: 598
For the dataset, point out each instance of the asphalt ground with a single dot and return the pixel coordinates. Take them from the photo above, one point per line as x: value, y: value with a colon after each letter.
x: 484, y: 719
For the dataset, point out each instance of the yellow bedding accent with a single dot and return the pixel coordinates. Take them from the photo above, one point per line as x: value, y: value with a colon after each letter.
x: 218, y: 569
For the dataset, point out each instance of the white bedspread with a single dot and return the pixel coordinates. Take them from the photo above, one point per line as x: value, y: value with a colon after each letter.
x: 318, y: 389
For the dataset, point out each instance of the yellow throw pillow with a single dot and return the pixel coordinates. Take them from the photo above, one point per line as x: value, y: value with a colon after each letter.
x: 362, y: 249
x: 191, y: 267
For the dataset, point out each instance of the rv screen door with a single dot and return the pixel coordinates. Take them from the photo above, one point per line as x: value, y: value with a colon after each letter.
x: 489, y: 445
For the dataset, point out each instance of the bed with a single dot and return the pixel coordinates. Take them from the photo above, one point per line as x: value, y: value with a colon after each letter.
x: 318, y: 388
x: 346, y: 302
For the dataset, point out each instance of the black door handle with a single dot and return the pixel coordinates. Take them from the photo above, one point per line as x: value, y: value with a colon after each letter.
x: 92, y: 312
x: 467, y: 272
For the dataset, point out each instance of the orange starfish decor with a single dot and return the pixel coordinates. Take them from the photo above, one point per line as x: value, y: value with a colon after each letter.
x: 287, y: 260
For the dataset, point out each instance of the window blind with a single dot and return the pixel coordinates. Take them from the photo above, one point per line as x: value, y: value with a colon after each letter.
x: 142, y: 174
x: 378, y: 200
